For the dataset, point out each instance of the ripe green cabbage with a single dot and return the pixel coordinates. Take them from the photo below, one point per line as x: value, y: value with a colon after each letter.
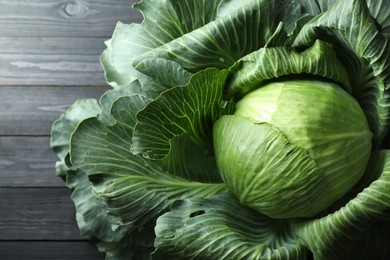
x: 234, y: 129
x: 292, y: 148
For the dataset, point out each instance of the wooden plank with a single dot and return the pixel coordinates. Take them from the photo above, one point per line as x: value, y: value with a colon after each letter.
x: 65, y: 18
x: 31, y: 110
x: 51, y: 61
x: 27, y: 162
x: 46, y: 46
x: 37, y: 214
x: 52, y: 48
x: 62, y: 250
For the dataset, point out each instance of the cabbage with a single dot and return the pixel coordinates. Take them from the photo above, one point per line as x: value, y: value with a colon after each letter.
x: 292, y: 148
x: 252, y: 129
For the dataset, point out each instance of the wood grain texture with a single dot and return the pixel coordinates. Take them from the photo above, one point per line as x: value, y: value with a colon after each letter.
x: 51, y: 61
x: 49, y: 58
x: 47, y: 46
x: 48, y: 250
x: 31, y: 110
x: 27, y: 162
x: 37, y: 214
x: 65, y: 18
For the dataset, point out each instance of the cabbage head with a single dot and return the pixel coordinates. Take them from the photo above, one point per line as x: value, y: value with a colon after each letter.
x: 253, y: 129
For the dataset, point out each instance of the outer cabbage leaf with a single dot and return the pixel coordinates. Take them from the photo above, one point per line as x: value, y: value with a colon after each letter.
x: 135, y: 91
x: 101, y: 227
x: 64, y: 126
x: 266, y: 64
x: 163, y: 22
x: 95, y: 222
x: 92, y: 218
x: 190, y: 160
x: 191, y: 110
x: 315, y: 7
x: 365, y: 51
x: 134, y: 190
x: 292, y: 15
x: 378, y: 9
x: 220, y: 227
x: 239, y: 28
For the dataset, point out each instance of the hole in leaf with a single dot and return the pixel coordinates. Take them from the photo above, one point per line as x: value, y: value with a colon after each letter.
x: 169, y: 235
x: 197, y: 213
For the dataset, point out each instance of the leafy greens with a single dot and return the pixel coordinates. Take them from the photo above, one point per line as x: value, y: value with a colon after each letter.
x: 159, y: 167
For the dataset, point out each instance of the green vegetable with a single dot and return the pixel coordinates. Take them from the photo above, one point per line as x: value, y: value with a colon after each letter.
x: 252, y: 129
x: 292, y: 148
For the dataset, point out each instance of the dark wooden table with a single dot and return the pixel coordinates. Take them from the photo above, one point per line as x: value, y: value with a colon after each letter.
x: 49, y: 51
